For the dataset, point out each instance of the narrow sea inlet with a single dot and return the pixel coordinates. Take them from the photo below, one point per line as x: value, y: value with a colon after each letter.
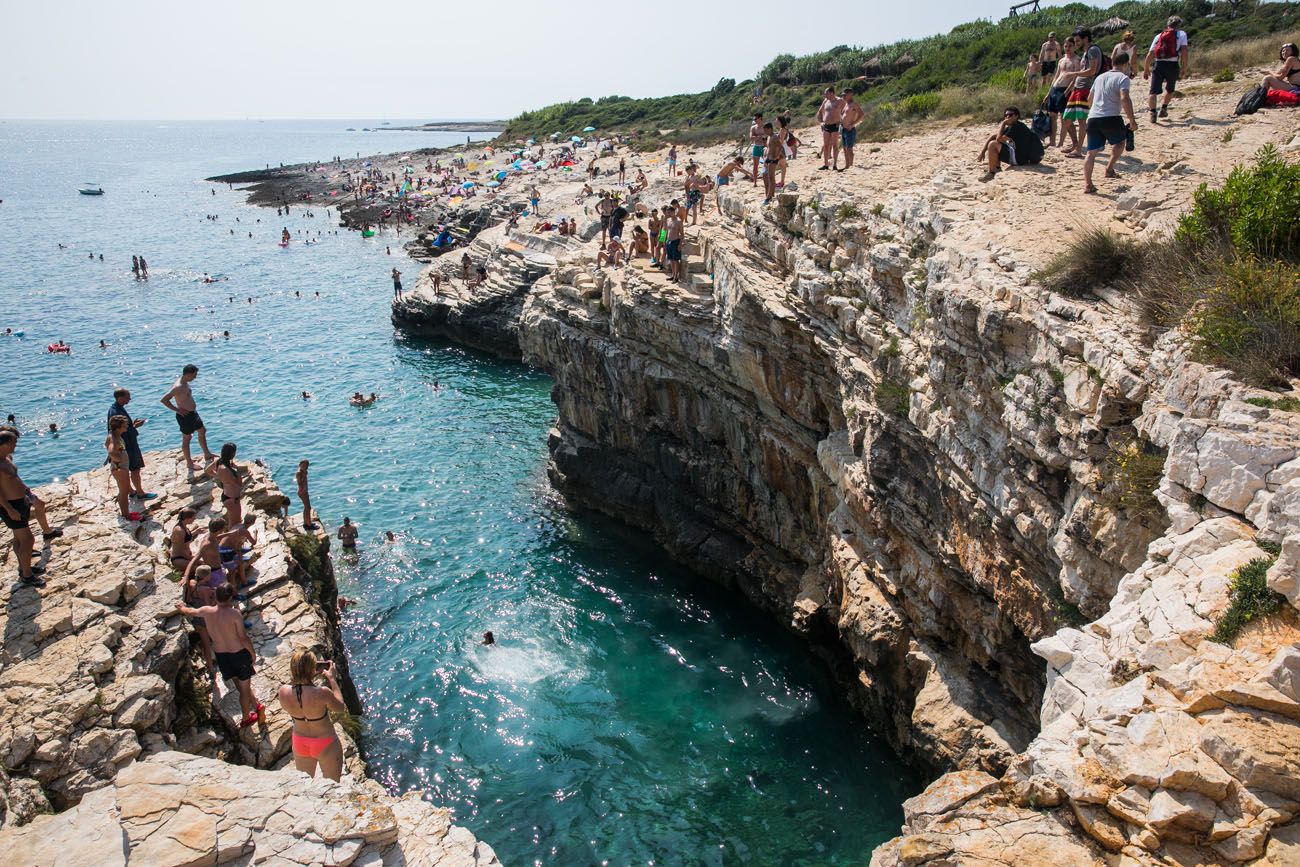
x: 630, y: 712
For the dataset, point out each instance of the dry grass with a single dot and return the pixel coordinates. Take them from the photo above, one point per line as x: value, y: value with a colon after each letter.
x: 1241, y: 54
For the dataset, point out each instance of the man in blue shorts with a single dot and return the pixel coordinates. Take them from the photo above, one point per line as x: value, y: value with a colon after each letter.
x: 1108, y: 104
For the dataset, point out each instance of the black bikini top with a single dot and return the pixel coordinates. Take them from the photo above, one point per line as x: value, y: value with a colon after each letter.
x: 297, y: 691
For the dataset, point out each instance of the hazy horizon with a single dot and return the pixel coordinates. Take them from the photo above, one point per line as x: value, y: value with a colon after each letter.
x: 152, y: 61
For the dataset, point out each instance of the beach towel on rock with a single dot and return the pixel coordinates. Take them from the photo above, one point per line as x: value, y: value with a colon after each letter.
x: 1282, y: 97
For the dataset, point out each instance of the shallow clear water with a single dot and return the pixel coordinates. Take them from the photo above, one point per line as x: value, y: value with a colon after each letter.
x: 630, y: 713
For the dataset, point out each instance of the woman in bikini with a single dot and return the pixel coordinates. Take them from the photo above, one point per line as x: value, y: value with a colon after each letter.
x: 314, y: 740
x: 179, y: 542
x: 1287, y: 77
x: 223, y: 469
x: 118, y: 465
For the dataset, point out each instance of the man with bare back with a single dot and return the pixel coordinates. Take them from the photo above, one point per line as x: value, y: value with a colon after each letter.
x: 232, y: 648
x: 830, y: 115
x: 16, y: 510
x: 180, y: 400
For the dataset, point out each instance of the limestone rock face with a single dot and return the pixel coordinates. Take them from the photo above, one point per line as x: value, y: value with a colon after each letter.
x: 860, y: 409
x: 178, y: 809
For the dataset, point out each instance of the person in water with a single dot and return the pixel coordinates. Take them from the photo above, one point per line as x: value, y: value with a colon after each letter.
x: 180, y: 400
x: 348, y: 535
x: 489, y: 638
x: 315, y: 742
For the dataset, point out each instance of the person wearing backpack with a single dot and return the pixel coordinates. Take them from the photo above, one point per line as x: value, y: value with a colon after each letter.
x: 1164, y: 62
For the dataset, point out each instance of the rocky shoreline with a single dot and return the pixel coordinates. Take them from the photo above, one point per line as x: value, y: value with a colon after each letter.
x: 862, y: 410
x: 112, y: 748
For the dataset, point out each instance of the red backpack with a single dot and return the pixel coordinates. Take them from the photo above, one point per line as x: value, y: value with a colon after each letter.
x: 1167, y: 44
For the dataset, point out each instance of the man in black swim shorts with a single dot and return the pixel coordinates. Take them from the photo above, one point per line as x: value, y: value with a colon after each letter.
x: 180, y: 400
x: 16, y: 511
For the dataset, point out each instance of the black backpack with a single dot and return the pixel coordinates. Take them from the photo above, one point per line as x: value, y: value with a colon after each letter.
x: 1253, y: 101
x: 1041, y: 123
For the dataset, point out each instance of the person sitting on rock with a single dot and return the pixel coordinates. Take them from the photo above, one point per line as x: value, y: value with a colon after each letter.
x: 1014, y: 144
x: 640, y: 242
x: 611, y: 255
x: 315, y: 742
x: 1287, y: 77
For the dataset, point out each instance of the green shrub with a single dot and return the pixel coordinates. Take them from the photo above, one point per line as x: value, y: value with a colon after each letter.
x: 893, y: 397
x: 1285, y: 404
x: 1248, y: 599
x: 1130, y: 479
x: 1257, y: 211
x: 306, y: 549
x: 847, y: 211
x: 918, y: 104
x: 1096, y: 258
x: 1249, y: 320
x: 1224, y: 76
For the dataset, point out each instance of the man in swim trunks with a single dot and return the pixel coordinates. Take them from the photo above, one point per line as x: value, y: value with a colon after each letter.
x: 208, y: 554
x: 232, y: 648
x: 830, y: 114
x: 853, y: 115
x: 397, y: 284
x: 198, y: 592
x: 180, y: 400
x: 131, y: 439
x: 672, y: 160
x: 674, y: 226
x: 37, y: 504
x: 1048, y: 54
x: 756, y: 140
x: 16, y: 511
x: 348, y: 535
x: 605, y: 207
x: 737, y: 164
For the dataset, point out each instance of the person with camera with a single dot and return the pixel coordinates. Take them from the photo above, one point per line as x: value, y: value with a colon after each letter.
x: 315, y: 743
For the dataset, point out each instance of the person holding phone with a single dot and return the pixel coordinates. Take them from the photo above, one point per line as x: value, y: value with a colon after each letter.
x: 315, y: 742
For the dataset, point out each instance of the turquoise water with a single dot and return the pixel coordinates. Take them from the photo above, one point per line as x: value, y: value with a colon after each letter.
x: 630, y: 713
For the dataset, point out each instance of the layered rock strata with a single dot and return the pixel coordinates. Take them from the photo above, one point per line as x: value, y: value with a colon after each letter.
x: 98, y: 680
x: 866, y: 415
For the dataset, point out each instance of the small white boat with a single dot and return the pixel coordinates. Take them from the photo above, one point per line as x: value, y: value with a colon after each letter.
x: 91, y: 189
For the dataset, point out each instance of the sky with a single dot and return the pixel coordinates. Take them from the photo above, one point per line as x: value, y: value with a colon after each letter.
x: 163, y: 59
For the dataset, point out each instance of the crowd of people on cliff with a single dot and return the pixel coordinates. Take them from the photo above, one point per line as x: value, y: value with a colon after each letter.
x: 214, y: 565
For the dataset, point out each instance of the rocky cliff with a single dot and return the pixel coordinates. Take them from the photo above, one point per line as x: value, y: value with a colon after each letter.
x: 861, y: 410
x: 99, y: 692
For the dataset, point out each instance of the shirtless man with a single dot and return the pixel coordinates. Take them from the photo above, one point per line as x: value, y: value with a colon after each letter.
x: 1048, y: 54
x: 301, y: 478
x: 198, y: 592
x: 830, y: 114
x: 611, y: 255
x: 180, y: 400
x: 1058, y: 95
x: 724, y: 178
x: 674, y: 225
x: 16, y: 511
x: 605, y: 207
x: 397, y: 284
x: 696, y: 186
x: 232, y: 648
x: 853, y: 115
x: 208, y: 554
x: 348, y: 535
x: 37, y: 504
x: 756, y: 140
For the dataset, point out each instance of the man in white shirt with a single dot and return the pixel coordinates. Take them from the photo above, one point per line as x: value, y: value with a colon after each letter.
x: 1166, y: 58
x: 1108, y: 104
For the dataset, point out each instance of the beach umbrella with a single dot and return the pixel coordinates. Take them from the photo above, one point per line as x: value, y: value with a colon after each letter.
x: 467, y: 185
x: 588, y: 129
x: 575, y: 138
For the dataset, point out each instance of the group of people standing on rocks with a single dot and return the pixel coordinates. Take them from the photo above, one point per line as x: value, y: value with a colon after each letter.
x: 213, y: 566
x: 1089, y: 100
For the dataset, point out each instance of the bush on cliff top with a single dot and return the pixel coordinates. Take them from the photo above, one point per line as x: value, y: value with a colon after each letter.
x: 1257, y: 211
x: 979, y: 55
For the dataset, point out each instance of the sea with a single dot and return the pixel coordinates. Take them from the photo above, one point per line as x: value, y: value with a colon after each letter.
x: 630, y: 712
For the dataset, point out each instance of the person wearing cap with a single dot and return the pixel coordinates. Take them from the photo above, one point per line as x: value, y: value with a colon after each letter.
x: 1165, y: 60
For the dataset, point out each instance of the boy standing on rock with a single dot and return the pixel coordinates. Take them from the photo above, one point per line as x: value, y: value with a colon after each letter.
x: 673, y: 226
x: 853, y: 115
x: 756, y: 142
x: 233, y: 650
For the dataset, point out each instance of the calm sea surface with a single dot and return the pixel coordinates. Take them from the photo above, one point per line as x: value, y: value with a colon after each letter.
x: 631, y: 714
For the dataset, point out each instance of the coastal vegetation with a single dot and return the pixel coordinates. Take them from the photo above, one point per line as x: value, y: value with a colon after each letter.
x: 972, y: 71
x: 1249, y: 599
x: 1229, y: 277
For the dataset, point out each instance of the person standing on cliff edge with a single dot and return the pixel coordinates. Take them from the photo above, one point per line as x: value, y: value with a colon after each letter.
x: 233, y: 650
x: 397, y: 285
x: 131, y: 439
x: 16, y: 511
x: 180, y: 400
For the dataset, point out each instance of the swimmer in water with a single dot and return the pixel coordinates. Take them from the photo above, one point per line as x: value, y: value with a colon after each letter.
x: 388, y: 535
x: 489, y: 638
x: 306, y: 395
x: 103, y: 345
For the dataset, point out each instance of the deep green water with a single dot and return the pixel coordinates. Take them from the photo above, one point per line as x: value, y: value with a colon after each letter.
x: 630, y: 714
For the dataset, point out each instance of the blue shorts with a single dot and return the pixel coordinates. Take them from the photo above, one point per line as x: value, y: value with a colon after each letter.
x: 673, y: 251
x: 756, y: 150
x: 723, y: 180
x: 849, y: 137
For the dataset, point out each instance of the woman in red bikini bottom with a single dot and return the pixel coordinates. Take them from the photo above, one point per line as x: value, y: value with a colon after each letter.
x: 314, y: 739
